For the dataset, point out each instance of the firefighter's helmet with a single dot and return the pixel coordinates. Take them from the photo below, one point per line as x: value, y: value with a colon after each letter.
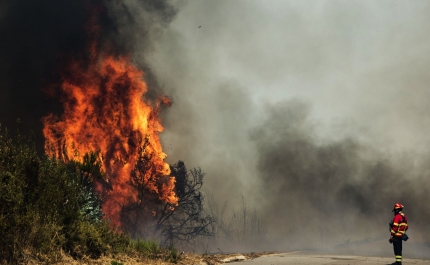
x: 397, y: 207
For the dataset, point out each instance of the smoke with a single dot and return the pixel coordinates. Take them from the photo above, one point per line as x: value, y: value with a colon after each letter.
x: 33, y: 36
x: 327, y: 167
x: 40, y: 37
x: 322, y: 192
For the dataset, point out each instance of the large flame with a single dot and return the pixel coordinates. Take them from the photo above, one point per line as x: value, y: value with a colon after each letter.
x: 105, y: 111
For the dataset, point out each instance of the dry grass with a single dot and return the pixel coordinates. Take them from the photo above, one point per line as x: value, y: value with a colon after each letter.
x: 185, y: 259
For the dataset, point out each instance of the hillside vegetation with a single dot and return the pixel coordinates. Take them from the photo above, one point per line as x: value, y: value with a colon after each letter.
x: 48, y: 209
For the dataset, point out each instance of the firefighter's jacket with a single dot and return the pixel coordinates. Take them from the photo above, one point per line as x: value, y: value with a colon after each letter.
x: 400, y: 225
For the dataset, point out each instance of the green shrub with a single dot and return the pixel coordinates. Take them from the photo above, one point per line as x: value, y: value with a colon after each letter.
x: 172, y: 255
x: 148, y: 249
x: 18, y: 172
x: 84, y: 239
x: 47, y: 205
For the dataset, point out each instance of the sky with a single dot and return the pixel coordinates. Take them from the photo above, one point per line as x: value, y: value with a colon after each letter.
x: 316, y: 109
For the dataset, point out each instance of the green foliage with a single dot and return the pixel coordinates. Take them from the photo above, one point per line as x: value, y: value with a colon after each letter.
x: 146, y: 248
x: 113, y: 262
x: 47, y: 205
x: 84, y: 238
x: 18, y: 167
x: 173, y: 255
x: 84, y: 175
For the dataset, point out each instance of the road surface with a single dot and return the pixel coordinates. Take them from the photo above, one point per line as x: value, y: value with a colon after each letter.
x: 298, y: 258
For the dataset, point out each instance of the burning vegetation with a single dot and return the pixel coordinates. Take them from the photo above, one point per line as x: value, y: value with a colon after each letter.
x: 104, y: 155
x: 108, y: 115
x: 105, y: 111
x: 103, y: 187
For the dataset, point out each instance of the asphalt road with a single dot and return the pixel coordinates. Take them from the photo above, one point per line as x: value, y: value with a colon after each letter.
x: 297, y: 258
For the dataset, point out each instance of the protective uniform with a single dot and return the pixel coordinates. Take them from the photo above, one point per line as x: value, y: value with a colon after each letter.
x: 399, y: 225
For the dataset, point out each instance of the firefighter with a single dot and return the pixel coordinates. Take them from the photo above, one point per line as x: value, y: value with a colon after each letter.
x: 398, y: 226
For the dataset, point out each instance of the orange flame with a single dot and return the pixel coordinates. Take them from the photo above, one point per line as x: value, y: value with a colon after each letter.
x: 105, y: 111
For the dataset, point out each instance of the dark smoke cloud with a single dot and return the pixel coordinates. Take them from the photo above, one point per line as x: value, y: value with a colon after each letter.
x: 331, y: 192
x: 34, y: 34
x: 38, y: 37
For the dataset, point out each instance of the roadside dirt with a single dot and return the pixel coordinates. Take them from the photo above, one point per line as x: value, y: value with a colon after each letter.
x: 184, y: 259
x: 290, y: 258
x: 377, y: 252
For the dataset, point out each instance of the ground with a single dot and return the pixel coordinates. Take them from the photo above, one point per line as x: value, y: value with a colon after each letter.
x: 370, y: 252
x: 298, y: 258
x: 289, y: 258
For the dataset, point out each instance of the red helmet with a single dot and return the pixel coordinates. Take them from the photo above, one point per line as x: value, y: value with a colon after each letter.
x: 398, y: 206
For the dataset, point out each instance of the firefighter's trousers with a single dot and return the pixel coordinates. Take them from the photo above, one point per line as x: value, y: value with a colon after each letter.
x: 397, y: 245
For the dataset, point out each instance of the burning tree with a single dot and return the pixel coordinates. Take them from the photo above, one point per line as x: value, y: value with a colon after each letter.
x: 139, y: 217
x: 105, y: 112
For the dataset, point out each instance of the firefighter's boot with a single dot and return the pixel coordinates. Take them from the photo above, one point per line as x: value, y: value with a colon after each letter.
x: 398, y: 260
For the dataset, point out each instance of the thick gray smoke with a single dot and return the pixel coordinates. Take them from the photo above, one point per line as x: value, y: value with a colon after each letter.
x: 327, y: 167
x: 321, y: 192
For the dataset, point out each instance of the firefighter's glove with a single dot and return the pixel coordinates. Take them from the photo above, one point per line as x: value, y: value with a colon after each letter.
x: 390, y: 240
